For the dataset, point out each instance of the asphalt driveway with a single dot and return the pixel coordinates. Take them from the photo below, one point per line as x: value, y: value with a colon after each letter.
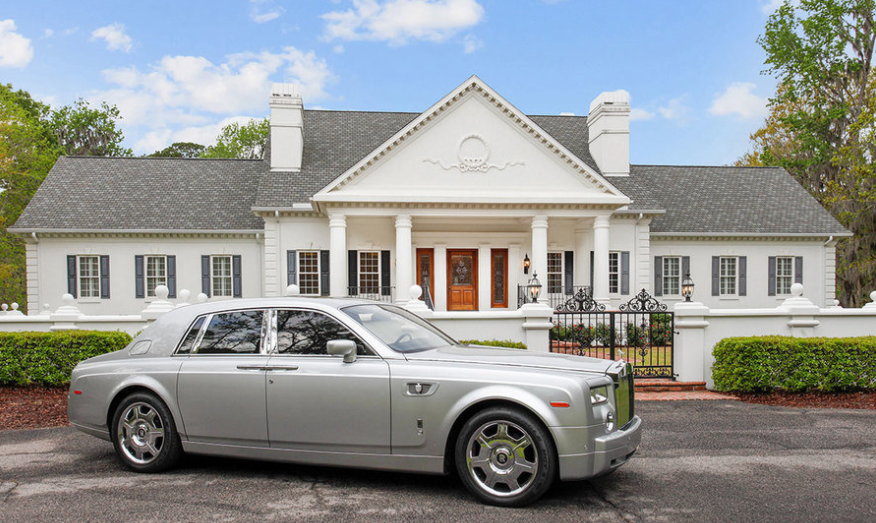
x: 708, y: 461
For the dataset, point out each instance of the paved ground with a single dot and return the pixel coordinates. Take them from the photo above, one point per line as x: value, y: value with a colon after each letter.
x: 710, y: 461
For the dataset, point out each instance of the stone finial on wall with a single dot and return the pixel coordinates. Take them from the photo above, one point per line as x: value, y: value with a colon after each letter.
x: 159, y: 306
x: 872, y: 304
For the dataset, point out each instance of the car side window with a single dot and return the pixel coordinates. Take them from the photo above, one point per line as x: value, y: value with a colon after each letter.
x: 189, y: 341
x: 308, y: 332
x: 238, y: 332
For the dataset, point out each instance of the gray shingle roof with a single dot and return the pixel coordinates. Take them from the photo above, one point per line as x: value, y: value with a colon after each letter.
x: 170, y: 193
x: 145, y: 193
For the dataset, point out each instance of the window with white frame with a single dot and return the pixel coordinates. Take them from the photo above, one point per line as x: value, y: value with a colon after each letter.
x: 308, y: 272
x: 369, y: 272
x: 613, y: 272
x: 784, y: 274
x: 156, y: 273
x: 727, y: 277
x: 89, y: 276
x: 555, y: 272
x: 671, y: 276
x: 220, y: 276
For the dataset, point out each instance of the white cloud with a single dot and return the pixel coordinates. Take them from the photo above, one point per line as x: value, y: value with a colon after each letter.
x: 674, y: 110
x: 15, y: 49
x: 397, y: 21
x: 48, y: 33
x: 262, y: 11
x: 640, y: 114
x: 739, y: 100
x: 471, y: 43
x: 201, y: 134
x: 338, y: 49
x: 70, y: 31
x: 115, y: 37
x: 180, y: 98
x: 770, y: 6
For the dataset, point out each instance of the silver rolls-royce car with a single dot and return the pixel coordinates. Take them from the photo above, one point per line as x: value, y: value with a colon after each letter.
x: 355, y: 383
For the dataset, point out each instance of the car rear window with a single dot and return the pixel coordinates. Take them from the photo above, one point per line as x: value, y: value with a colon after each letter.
x: 238, y: 332
x: 189, y: 341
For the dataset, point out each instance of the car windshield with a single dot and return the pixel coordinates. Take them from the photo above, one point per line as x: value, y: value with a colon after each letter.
x: 398, y: 328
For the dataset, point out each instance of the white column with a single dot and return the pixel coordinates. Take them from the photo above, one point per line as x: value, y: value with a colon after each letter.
x: 600, y: 259
x: 439, y: 293
x: 582, y: 255
x: 485, y: 280
x: 403, y: 264
x: 515, y: 273
x: 539, y: 253
x: 338, y: 255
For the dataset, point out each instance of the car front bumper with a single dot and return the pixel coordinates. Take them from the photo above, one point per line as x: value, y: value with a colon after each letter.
x: 605, y: 453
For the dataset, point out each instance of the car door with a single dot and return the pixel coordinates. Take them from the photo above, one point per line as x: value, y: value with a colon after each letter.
x: 316, y: 401
x: 221, y: 386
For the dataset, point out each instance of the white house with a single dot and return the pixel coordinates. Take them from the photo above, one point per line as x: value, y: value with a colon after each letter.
x: 456, y: 198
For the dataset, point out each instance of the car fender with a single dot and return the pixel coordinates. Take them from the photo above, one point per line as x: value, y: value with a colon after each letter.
x: 164, y: 389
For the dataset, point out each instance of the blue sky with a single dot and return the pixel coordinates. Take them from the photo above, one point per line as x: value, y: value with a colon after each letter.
x: 179, y: 70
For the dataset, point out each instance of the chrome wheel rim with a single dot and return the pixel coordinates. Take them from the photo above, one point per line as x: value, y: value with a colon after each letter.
x: 502, y: 458
x: 141, y: 433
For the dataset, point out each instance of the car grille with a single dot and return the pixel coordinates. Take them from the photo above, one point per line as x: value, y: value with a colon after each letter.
x: 624, y: 392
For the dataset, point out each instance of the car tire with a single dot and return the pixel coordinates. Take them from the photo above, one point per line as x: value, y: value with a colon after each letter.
x: 505, y: 457
x: 144, y: 434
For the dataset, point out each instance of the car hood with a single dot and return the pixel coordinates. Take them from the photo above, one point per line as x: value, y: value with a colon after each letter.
x: 476, y: 354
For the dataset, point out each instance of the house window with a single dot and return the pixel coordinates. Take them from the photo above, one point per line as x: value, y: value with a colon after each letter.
x: 728, y: 275
x: 555, y: 273
x: 156, y: 273
x: 308, y: 272
x: 784, y: 274
x: 89, y: 276
x: 220, y: 276
x: 369, y: 272
x: 671, y: 276
x: 613, y: 272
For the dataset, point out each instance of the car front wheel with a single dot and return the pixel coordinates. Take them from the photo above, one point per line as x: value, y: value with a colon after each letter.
x: 144, y: 434
x: 505, y: 457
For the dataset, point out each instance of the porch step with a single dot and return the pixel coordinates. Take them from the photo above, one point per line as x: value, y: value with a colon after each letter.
x: 662, y: 385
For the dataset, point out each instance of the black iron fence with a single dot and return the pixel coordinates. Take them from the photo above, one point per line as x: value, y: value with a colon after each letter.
x: 641, y: 332
x: 370, y: 292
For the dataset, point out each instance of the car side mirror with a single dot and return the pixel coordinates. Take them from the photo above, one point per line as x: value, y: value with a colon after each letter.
x: 345, y: 348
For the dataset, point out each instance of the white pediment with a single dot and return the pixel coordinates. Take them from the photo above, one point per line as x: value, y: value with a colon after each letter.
x: 472, y: 147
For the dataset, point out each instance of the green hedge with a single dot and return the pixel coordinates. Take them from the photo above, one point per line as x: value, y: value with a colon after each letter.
x: 48, y: 358
x: 496, y: 343
x: 779, y: 363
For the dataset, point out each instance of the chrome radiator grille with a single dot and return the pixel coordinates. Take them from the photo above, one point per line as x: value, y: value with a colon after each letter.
x: 624, y: 392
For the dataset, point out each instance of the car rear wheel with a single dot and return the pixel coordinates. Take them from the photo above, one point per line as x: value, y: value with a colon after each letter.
x: 505, y: 457
x: 144, y: 434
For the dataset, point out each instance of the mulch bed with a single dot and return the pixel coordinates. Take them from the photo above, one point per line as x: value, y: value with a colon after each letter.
x: 32, y: 407
x: 826, y: 400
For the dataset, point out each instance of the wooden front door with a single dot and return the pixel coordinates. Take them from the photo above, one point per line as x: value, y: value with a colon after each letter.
x: 462, y: 279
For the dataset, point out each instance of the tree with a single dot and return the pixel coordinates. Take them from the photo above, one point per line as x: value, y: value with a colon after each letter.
x: 241, y: 141
x: 181, y: 150
x: 84, y: 131
x: 821, y: 124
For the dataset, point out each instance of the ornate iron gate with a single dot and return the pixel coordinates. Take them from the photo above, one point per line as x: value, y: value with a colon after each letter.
x: 641, y: 331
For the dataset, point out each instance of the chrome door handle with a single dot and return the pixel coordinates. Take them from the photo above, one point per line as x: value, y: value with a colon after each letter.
x: 252, y: 367
x: 281, y: 367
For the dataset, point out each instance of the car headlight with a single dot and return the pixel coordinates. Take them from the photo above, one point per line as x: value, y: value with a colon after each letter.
x: 598, y: 395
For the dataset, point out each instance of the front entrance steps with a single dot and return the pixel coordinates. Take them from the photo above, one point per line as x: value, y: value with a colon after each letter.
x: 664, y: 385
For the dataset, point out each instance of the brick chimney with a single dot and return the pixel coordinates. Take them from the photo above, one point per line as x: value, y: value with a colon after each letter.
x: 287, y: 128
x: 609, y: 128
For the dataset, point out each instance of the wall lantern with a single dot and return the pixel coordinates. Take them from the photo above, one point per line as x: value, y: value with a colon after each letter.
x: 526, y: 264
x: 534, y: 287
x: 687, y: 287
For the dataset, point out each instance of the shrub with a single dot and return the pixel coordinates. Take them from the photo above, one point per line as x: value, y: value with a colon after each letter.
x: 637, y: 336
x: 602, y: 334
x: 661, y: 329
x: 770, y: 363
x: 511, y: 344
x: 48, y: 358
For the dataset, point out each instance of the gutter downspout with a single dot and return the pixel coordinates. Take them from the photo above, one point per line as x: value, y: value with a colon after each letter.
x: 636, y: 243
x: 38, y: 305
x: 280, y: 288
x: 824, y: 269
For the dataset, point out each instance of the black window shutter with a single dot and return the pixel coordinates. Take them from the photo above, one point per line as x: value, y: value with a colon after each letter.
x: 352, y: 273
x: 139, y: 282
x: 236, y: 287
x: 291, y: 268
x: 385, y: 284
x: 104, y: 277
x: 798, y: 269
x: 591, y: 271
x: 716, y: 268
x: 685, y: 266
x: 771, y: 276
x: 324, y: 275
x: 658, y: 275
x: 71, y: 275
x: 171, y: 276
x: 625, y: 273
x: 205, y: 275
x: 743, y: 276
x: 569, y: 270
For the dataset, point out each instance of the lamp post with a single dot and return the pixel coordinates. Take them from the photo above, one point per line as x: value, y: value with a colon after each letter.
x: 534, y: 287
x: 687, y: 287
x: 526, y: 264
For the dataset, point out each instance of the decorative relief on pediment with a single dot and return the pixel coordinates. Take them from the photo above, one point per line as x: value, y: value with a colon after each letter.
x: 473, y: 154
